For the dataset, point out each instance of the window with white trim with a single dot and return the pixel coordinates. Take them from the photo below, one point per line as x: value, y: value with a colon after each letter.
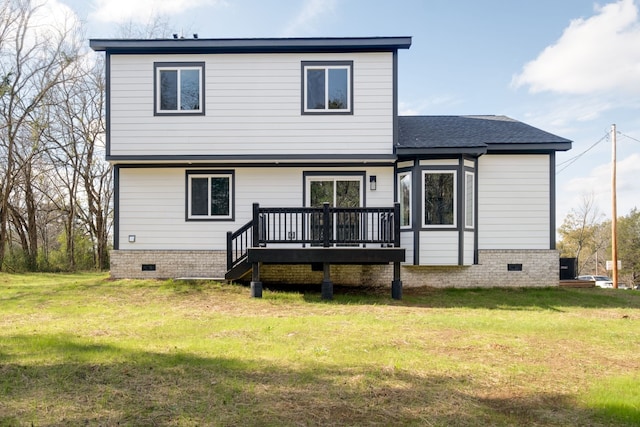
x: 327, y: 87
x: 439, y: 190
x: 209, y: 195
x: 469, y: 204
x: 179, y: 88
x: 404, y: 198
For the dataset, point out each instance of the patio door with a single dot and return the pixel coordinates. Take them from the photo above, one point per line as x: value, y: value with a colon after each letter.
x: 340, y: 192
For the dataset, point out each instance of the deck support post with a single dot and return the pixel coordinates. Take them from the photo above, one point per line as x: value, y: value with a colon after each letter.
x: 396, y: 285
x: 327, y: 284
x: 256, y: 284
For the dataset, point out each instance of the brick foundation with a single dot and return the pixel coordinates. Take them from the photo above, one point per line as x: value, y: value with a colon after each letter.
x: 530, y: 268
x: 168, y: 264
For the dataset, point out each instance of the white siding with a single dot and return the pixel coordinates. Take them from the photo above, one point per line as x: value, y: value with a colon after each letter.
x: 513, y: 202
x: 253, y: 106
x: 439, y: 248
x: 439, y: 162
x: 153, y: 200
x: 406, y: 241
x: 468, y: 247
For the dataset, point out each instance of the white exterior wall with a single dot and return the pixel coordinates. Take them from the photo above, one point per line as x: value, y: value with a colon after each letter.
x: 439, y: 248
x: 253, y: 106
x: 406, y: 242
x: 513, y: 202
x: 468, y: 247
x: 153, y: 200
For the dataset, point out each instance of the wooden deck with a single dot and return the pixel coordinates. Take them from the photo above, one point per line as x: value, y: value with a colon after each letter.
x: 577, y: 284
x: 316, y: 236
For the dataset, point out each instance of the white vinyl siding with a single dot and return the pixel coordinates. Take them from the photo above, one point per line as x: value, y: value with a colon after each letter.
x: 406, y: 241
x: 513, y: 202
x: 439, y: 248
x: 252, y: 108
x: 153, y: 200
x: 468, y: 248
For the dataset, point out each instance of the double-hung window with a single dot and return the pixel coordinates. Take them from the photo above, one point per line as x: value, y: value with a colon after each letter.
x: 179, y: 88
x: 439, y: 199
x: 327, y: 87
x: 210, y: 195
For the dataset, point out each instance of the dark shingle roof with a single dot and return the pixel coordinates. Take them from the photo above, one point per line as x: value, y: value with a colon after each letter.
x: 473, y: 134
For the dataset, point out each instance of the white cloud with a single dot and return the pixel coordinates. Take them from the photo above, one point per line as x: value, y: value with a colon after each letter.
x: 598, y: 183
x: 432, y: 105
x: 594, y: 55
x: 53, y: 21
x: 141, y: 10
x: 306, y: 22
x: 568, y: 114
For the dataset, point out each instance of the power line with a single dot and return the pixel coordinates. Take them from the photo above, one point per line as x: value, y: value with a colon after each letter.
x: 574, y: 159
x: 630, y: 137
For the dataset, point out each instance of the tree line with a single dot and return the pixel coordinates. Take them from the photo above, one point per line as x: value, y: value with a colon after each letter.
x: 586, y: 235
x: 55, y: 187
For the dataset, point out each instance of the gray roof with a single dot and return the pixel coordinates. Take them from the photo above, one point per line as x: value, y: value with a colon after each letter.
x: 472, y: 134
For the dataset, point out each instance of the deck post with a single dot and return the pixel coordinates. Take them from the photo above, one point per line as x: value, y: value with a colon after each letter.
x: 396, y: 285
x: 327, y: 285
x: 256, y: 284
x: 255, y: 236
x: 229, y: 250
x: 325, y: 225
x: 396, y: 225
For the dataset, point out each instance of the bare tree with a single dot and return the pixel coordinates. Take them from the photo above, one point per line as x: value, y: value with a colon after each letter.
x: 77, y: 157
x: 33, y: 60
x: 156, y: 27
x: 580, y: 232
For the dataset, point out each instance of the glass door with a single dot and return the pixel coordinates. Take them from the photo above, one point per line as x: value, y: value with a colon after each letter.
x: 341, y: 192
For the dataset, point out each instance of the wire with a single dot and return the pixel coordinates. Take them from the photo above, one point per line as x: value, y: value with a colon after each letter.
x: 574, y: 159
x: 630, y: 137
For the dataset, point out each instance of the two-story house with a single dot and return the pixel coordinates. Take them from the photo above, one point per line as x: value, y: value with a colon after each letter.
x: 286, y: 160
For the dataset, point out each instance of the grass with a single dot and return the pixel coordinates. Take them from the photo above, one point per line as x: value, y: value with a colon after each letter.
x: 85, y: 350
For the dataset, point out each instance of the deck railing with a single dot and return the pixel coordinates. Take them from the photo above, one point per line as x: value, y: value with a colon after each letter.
x: 315, y: 227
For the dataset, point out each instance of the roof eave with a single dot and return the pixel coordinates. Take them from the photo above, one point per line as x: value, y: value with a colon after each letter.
x: 250, y: 45
x: 530, y: 147
x: 413, y: 151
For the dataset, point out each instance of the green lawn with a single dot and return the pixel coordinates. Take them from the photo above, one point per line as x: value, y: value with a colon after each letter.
x: 84, y: 350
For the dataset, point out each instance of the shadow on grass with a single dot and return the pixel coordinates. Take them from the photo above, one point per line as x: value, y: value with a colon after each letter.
x: 98, y: 384
x: 553, y: 299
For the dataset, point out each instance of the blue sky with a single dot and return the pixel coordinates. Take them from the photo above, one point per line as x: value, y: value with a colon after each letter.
x: 570, y: 67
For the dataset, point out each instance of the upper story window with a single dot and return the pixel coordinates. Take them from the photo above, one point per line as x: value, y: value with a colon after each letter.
x: 179, y: 88
x: 327, y: 87
x: 439, y: 198
x: 209, y: 195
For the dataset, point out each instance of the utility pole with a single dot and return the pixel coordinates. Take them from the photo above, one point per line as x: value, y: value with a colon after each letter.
x: 614, y: 211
